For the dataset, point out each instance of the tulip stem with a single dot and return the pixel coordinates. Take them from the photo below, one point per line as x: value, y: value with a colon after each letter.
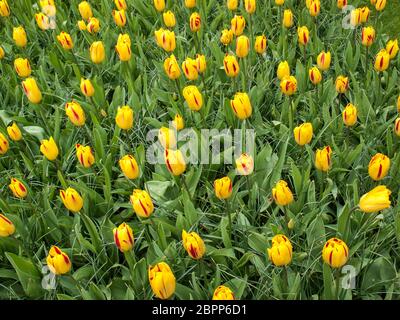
x: 229, y: 217
x: 337, y: 284
x: 366, y: 60
x: 147, y: 233
x: 186, y: 188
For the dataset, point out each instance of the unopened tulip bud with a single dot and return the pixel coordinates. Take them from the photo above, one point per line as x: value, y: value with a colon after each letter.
x: 124, y: 50
x: 129, y: 167
x: 223, y: 188
x: 193, y: 98
x: 159, y: 5
x: 242, y: 46
x: 193, y: 245
x: 323, y: 160
x: 250, y: 6
x: 382, y: 60
x: 231, y: 66
x: 14, y: 132
x: 190, y: 4
x: 375, y: 200
x: 364, y: 12
x: 161, y: 278
x: 49, y: 149
x: 397, y: 127
x: 71, y: 199
x: 175, y: 161
x: 97, y: 52
x: 124, y: 117
x: 123, y: 237
x: 82, y: 25
x: 85, y: 155
x: 2, y: 53
x: 392, y: 48
x: 120, y: 4
x: 19, y: 36
x: 315, y: 75
x: 303, y: 133
x: 315, y: 8
x: 223, y: 293
x: 4, y: 8
x: 178, y: 122
x: 201, y: 63
x: 379, y: 166
x: 283, y: 70
x: 324, y: 60
x: 7, y: 228
x: 169, y: 19
x: 260, y: 44
x: 287, y: 18
x: 244, y: 164
x: 75, y: 113
x: 18, y: 188
x: 22, y: 67
x: 32, y: 90
x: 335, y: 253
x: 85, y: 10
x: 238, y: 23
x: 4, y: 145
x: 195, y: 22
x: 241, y: 105
x: 171, y: 68
x: 281, y: 251
x: 189, y: 67
x: 119, y: 17
x: 142, y: 203
x: 58, y: 261
x: 303, y: 35
x: 380, y: 5
x: 87, y: 87
x: 341, y: 4
x: 232, y: 4
x: 349, y: 115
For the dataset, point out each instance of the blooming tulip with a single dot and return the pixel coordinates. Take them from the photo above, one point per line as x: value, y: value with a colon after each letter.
x: 189, y: 67
x: 4, y: 8
x: 342, y: 84
x: 71, y: 199
x: 379, y: 166
x: 223, y: 188
x: 7, y: 228
x: 223, y: 293
x: 65, y: 40
x: 129, y: 166
x: 380, y: 5
x: 120, y: 4
x: 231, y: 66
x: 375, y: 200
x: 175, y: 161
x: 241, y: 105
x: 195, y: 22
x: 364, y: 12
x: 341, y: 3
x: 142, y: 203
x: 382, y: 60
x: 238, y: 23
x: 75, y: 113
x: 14, y: 132
x: 281, y: 250
x: 288, y: 85
x: 190, y: 4
x: 244, y: 164
x: 250, y: 6
x: 315, y: 75
x: 171, y: 68
x: 193, y: 98
x: 22, y: 67
x: 349, y: 115
x: 58, y: 261
x: 324, y: 60
x: 303, y: 35
x: 4, y: 145
x: 87, y: 88
x: 193, y: 244
x: 323, y: 158
x: 335, y: 253
x: 282, y: 194
x: 367, y: 36
x: 162, y: 280
x: 201, y: 63
x: 303, y: 133
x: 232, y: 4
x: 123, y: 237
x: 42, y: 21
x: 85, y: 155
x: 32, y: 90
x: 392, y: 48
x: 226, y: 37
x: 260, y: 44
x: 178, y: 122
x: 119, y: 17
x: 18, y: 188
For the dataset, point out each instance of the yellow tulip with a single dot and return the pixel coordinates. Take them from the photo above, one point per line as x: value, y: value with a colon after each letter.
x: 85, y: 155
x: 260, y: 45
x: 226, y: 37
x: 380, y: 5
x: 189, y: 67
x: 97, y: 52
x: 315, y: 8
x: 241, y: 105
x: 162, y: 280
x: 22, y: 67
x: 190, y: 4
x: 4, y: 8
x: 2, y: 53
x: 282, y: 194
x: 303, y: 35
x: 166, y: 137
x: 355, y: 17
x: 123, y: 237
x: 242, y: 46
x: 171, y: 68
x: 129, y: 166
x: 382, y: 60
x: 75, y: 113
x: 223, y: 188
x: 335, y: 253
x: 120, y: 4
x: 232, y: 4
x: 65, y: 40
x: 4, y: 145
x: 341, y: 4
x: 201, y: 63
x: 303, y: 133
x: 379, y: 166
x: 123, y: 49
x: 119, y: 17
x: 14, y: 132
x: 82, y: 25
x: 165, y: 39
x: 283, y: 70
x: 19, y: 36
x: 169, y: 19
x: 367, y: 36
x: 364, y: 12
x: 397, y: 127
x: 195, y: 22
x: 7, y: 228
x: 124, y: 117
x: 85, y: 10
x: 324, y: 60
x: 178, y: 122
x: 94, y: 25
x: 175, y: 161
x: 42, y: 21
x: 71, y: 199
x: 159, y: 5
x: 18, y: 188
x: 315, y: 75
x: 323, y: 160
x: 49, y: 149
x: 231, y: 66
x: 349, y: 115
x: 281, y: 251
x: 250, y: 6
x: 279, y: 2
x: 288, y: 85
x: 193, y: 244
x: 238, y: 23
x: 223, y: 293
x: 244, y: 164
x: 375, y: 200
x: 87, y: 88
x: 392, y: 47
x: 193, y: 98
x: 287, y: 18
x: 32, y: 90
x: 142, y: 203
x: 342, y: 84
x: 58, y: 261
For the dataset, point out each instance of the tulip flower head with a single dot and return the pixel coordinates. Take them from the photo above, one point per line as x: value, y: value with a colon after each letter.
x: 303, y: 133
x: 355, y: 17
x: 58, y: 261
x: 4, y: 145
x: 238, y: 23
x: 364, y: 12
x: 193, y: 244
x: 123, y: 47
x: 226, y: 36
x: 287, y: 18
x: 169, y: 19
x: 19, y: 37
x: 120, y: 4
x: 129, y: 166
x: 282, y: 194
x: 175, y: 161
x: 382, y: 60
x: 195, y: 22
x: 87, y: 88
x: 324, y: 60
x: 201, y: 63
x: 171, y: 68
x: 32, y: 90
x: 242, y: 46
x: 178, y: 122
x: 367, y: 36
x: 288, y: 85
x: 65, y: 40
x: 231, y: 66
x: 315, y: 8
x: 342, y: 84
x: 49, y: 149
x: 315, y: 75
x: 223, y: 188
x: 241, y: 105
x: 119, y: 17
x: 279, y: 2
x: 71, y: 199
x: 18, y: 188
x: 97, y: 52
x: 193, y: 97
x: 7, y: 227
x: 82, y: 25
x: 124, y: 117
x: 2, y: 53
x: 250, y: 6
x: 14, y: 132
x: 4, y: 8
x: 162, y: 280
x: 303, y: 35
x: 323, y: 159
x: 22, y: 67
x: 141, y: 203
x: 380, y: 5
x: 397, y: 127
x: 281, y: 251
x: 93, y: 26
x: 244, y: 164
x: 349, y: 115
x: 260, y: 45
x: 189, y: 67
x: 159, y: 5
x: 283, y: 70
x: 232, y: 4
x: 223, y: 293
x: 392, y: 48
x: 190, y: 4
x: 42, y: 21
x: 85, y: 10
x: 341, y: 4
x: 335, y: 253
x: 85, y: 155
x: 379, y: 166
x: 123, y: 237
x: 75, y: 113
x: 167, y: 138
x: 375, y: 200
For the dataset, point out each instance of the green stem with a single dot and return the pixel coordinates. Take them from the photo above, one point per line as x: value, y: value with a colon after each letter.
x: 186, y: 188
x: 229, y: 217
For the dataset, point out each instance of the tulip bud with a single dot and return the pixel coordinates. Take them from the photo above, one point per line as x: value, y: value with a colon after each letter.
x: 242, y: 46
x: 58, y: 261
x: 315, y: 75
x: 189, y: 67
x: 71, y: 199
x: 341, y: 4
x: 315, y: 8
x: 142, y: 203
x: 201, y: 63
x: 169, y: 19
x: 119, y: 17
x: 244, y: 164
x: 32, y: 90
x: 223, y: 188
x: 367, y: 36
x: 226, y: 37
x: 93, y: 26
x: 123, y: 49
x: 193, y: 244
x: 280, y: 253
x: 165, y: 39
x: 193, y: 98
x: 166, y: 137
x: 335, y: 253
x: 129, y: 167
x: 4, y: 8
x: 282, y: 194
x: 241, y: 105
x: 14, y: 132
x: 349, y: 115
x: 323, y: 159
x: 82, y: 25
x: 49, y: 149
x: 4, y: 145
x: 223, y: 293
x: 355, y: 17
x: 85, y: 155
x: 378, y: 166
x: 392, y: 48
x: 283, y: 70
x: 42, y: 21
x: 288, y: 85
x: 380, y: 5
x: 159, y: 5
x: 7, y: 228
x: 19, y: 36
x: 97, y: 52
x: 364, y: 13
x: 1, y: 53
x: 231, y: 66
x: 303, y: 35
x: 87, y: 87
x: 124, y: 117
x: 260, y: 44
x: 178, y: 122
x: 375, y: 200
x: 342, y: 84
x: 238, y: 23
x: 303, y: 133
x: 324, y: 60
x: 18, y: 188
x: 65, y: 40
x: 287, y: 18
x: 397, y: 127
x: 175, y: 161
x: 232, y: 4
x: 120, y: 4
x: 279, y: 2
x: 195, y: 22
x: 190, y: 4
x: 250, y: 6
x: 382, y: 60
x: 161, y: 278
x: 22, y: 67
x: 85, y: 10
x: 291, y: 224
x: 171, y: 68
x: 75, y: 113
x: 123, y: 237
